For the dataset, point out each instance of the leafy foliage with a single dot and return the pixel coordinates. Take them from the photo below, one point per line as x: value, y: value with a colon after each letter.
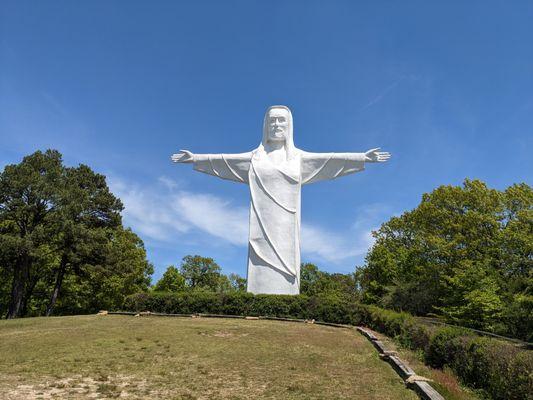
x: 464, y: 253
x: 199, y: 274
x: 237, y: 282
x: 314, y: 282
x: 500, y: 369
x: 62, y: 240
x: 331, y: 309
x: 171, y: 281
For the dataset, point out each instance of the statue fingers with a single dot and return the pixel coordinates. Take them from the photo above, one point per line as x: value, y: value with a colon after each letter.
x: 373, y: 150
x: 179, y: 157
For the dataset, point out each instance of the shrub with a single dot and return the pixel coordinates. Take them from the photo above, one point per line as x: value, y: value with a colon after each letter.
x: 501, y: 369
x: 442, y: 348
x: 330, y: 309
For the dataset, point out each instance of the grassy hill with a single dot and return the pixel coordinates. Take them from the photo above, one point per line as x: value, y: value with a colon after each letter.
x: 175, y: 358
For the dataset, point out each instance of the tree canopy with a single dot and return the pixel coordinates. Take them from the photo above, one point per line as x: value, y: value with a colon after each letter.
x: 465, y: 253
x: 171, y: 281
x: 314, y: 282
x: 199, y: 273
x: 62, y: 240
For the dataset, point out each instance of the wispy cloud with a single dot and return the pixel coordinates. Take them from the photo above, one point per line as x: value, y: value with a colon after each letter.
x: 148, y: 211
x: 355, y: 242
x: 386, y: 91
x: 381, y: 95
x: 163, y: 212
x: 167, y: 182
x: 213, y: 215
x: 334, y: 247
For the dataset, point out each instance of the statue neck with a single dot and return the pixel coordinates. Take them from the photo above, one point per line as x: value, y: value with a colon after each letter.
x: 276, y: 151
x: 274, y: 146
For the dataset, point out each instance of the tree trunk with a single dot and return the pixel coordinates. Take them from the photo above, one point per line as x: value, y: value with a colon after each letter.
x: 27, y: 295
x: 57, y: 286
x: 20, y: 277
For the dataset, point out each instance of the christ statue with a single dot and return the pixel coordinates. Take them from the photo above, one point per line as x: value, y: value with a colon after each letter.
x: 275, y: 172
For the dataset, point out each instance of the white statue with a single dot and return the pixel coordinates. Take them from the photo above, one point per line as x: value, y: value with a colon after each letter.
x: 276, y: 171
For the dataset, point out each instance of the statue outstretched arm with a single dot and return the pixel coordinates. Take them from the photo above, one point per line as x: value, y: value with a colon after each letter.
x: 323, y: 166
x: 233, y: 167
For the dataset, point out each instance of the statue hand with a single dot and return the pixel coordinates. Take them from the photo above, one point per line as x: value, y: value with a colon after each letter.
x: 184, y: 156
x: 376, y: 156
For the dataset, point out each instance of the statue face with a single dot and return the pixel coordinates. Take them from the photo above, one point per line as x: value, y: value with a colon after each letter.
x: 278, y: 124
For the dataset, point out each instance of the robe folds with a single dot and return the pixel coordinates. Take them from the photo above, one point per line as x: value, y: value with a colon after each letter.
x: 275, y: 191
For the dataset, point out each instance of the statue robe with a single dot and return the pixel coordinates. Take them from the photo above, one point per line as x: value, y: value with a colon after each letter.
x: 275, y: 190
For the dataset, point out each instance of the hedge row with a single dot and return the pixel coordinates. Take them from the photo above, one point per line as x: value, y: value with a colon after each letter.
x: 502, y: 370
x: 328, y: 309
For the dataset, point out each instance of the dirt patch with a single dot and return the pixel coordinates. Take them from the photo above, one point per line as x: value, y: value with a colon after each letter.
x: 119, y: 386
x: 223, y: 334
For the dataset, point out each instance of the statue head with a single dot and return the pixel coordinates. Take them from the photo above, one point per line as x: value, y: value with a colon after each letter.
x: 277, y: 127
x: 277, y: 124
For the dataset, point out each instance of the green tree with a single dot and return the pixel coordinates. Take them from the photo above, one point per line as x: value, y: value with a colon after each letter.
x: 517, y: 267
x: 223, y: 284
x: 171, y: 281
x: 473, y: 298
x: 122, y: 270
x: 309, y: 277
x: 314, y: 282
x: 201, y: 272
x: 238, y: 283
x: 87, y: 215
x: 61, y: 231
x: 28, y: 208
x: 464, y: 253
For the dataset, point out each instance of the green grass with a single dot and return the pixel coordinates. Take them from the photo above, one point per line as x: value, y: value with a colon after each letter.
x: 181, y: 358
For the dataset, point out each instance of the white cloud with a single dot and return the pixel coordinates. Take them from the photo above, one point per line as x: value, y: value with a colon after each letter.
x: 334, y: 247
x: 169, y: 183
x: 148, y: 212
x: 214, y: 215
x: 163, y: 213
x: 337, y: 247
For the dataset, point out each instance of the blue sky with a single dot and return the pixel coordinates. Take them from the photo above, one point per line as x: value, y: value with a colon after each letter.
x: 447, y: 87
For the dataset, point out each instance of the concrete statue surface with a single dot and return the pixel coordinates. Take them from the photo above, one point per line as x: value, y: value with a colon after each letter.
x: 275, y: 172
